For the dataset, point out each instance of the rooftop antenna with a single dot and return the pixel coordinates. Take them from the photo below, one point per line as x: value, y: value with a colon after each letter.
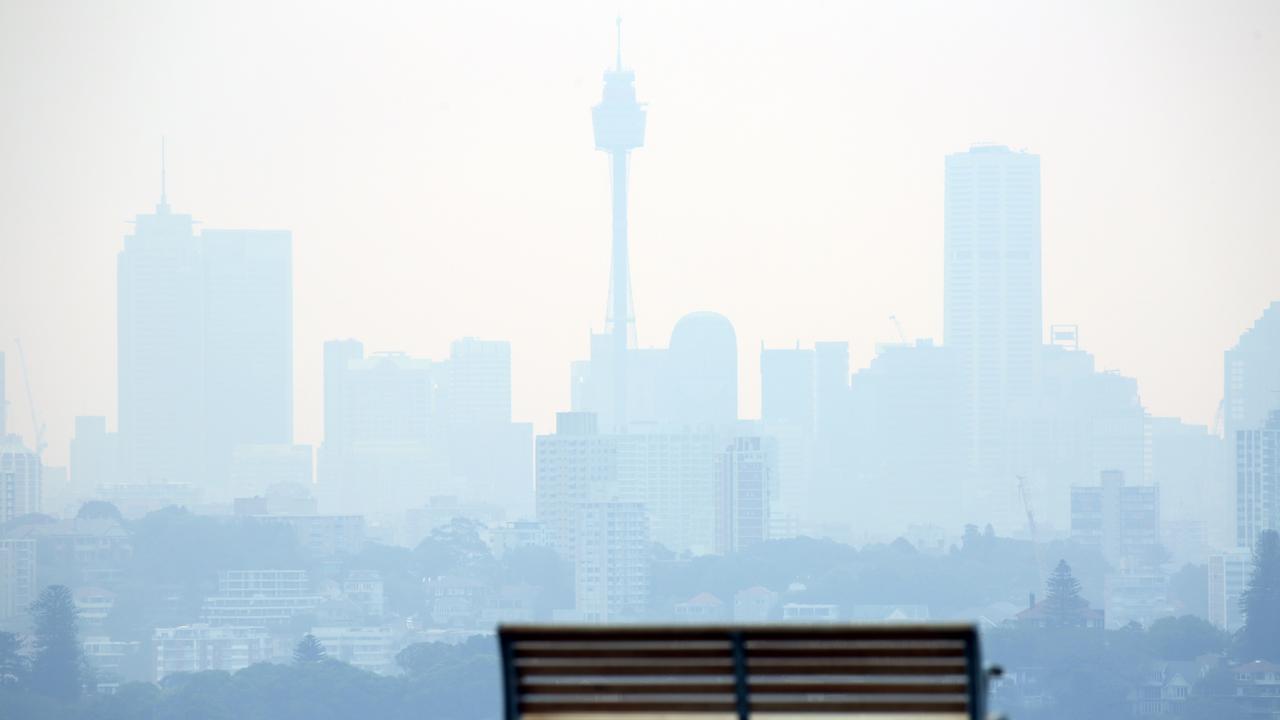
x: 619, y: 43
x: 164, y: 193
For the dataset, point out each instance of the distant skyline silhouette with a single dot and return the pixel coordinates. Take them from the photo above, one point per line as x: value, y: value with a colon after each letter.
x: 438, y: 177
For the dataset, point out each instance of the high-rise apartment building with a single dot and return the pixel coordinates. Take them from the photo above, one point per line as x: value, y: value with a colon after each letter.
x: 744, y: 473
x: 992, y: 306
x: 1257, y: 455
x: 574, y: 465
x: 20, y: 479
x: 611, y: 561
x: 1123, y: 521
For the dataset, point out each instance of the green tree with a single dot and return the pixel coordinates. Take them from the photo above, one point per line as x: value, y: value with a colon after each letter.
x: 57, y: 666
x: 13, y: 664
x: 1259, y: 639
x: 309, y: 650
x: 1062, y: 602
x: 99, y: 510
x: 1185, y: 638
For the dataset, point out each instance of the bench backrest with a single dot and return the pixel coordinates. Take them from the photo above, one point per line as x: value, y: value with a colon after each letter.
x: 927, y: 669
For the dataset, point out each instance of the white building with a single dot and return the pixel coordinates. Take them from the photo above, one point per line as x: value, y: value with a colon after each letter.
x: 611, y: 564
x: 195, y: 648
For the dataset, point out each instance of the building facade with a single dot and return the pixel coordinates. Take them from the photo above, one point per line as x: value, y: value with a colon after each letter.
x: 992, y: 306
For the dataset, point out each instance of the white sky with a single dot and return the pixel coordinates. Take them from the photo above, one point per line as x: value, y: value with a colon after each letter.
x: 434, y: 162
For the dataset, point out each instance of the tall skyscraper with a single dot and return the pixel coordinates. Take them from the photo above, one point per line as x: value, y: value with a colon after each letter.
x: 338, y: 355
x: 479, y: 382
x: 619, y: 128
x: 1250, y: 393
x: 4, y: 402
x: 991, y: 312
x: 787, y: 387
x: 248, y: 343
x: 160, y: 345
x: 1251, y: 386
x: 205, y: 343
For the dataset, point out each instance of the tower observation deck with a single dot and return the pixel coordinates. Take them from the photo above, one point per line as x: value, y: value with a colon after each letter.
x: 619, y: 128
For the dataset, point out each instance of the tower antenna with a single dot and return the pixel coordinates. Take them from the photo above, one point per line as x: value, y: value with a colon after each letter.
x: 619, y: 68
x: 164, y: 189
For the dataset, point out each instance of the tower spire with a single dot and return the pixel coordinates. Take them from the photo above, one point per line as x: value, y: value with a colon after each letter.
x: 163, y: 207
x: 619, y: 67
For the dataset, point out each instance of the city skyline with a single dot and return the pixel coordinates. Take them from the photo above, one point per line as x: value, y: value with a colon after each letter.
x: 925, y: 325
x: 1176, y: 377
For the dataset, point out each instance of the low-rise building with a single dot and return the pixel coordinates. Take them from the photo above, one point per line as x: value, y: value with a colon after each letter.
x: 755, y: 604
x: 195, y: 648
x: 364, y: 588
x: 811, y: 612
x: 260, y: 598
x: 701, y: 608
x: 1257, y: 689
x: 324, y: 535
x: 368, y: 648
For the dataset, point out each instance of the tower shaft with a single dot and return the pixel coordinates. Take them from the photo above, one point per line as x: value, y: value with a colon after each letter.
x: 622, y: 323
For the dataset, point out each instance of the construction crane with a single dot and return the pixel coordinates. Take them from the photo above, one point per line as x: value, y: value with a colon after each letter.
x: 902, y: 336
x: 1025, y: 494
x: 36, y: 425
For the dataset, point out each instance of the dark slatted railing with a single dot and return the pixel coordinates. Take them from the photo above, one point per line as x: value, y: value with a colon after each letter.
x: 907, y: 669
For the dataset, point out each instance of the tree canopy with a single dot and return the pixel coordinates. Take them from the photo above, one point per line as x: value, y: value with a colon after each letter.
x: 1259, y: 639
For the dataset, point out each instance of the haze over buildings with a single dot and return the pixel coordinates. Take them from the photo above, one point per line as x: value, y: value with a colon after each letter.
x: 396, y: 491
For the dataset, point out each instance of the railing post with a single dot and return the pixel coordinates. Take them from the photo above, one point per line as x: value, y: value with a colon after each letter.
x: 977, y: 678
x: 510, y: 678
x: 741, y: 688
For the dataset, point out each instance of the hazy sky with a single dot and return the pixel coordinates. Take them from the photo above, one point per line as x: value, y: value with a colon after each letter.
x: 435, y: 164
